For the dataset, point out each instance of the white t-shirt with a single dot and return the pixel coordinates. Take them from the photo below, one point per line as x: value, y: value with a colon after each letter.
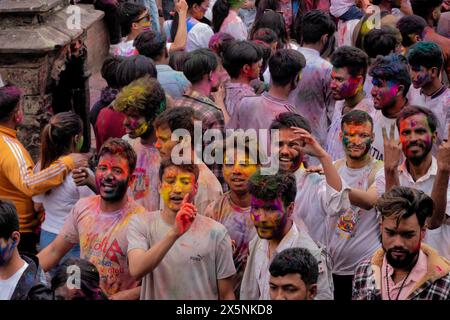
x: 380, y: 121
x: 354, y: 232
x: 8, y: 286
x: 438, y: 238
x: 193, y: 265
x: 315, y: 200
x: 234, y: 26
x: 339, y: 7
x: 198, y: 36
x: 59, y: 202
x: 209, y: 188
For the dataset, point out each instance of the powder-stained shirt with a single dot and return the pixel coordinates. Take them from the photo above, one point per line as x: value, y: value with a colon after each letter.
x: 190, y: 270
x: 173, y: 82
x: 240, y: 226
x: 380, y: 122
x: 234, y: 93
x: 144, y: 187
x: 334, y: 144
x: 255, y: 284
x: 312, y: 96
x: 103, y: 240
x: 234, y: 26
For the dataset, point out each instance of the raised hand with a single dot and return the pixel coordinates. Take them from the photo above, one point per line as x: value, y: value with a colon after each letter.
x: 392, y: 149
x: 185, y: 216
x: 443, y: 155
x: 308, y: 144
x: 181, y: 6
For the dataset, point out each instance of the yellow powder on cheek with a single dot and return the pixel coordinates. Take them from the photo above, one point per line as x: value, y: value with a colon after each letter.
x: 165, y: 193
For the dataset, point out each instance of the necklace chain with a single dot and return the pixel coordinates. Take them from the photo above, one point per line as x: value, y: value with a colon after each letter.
x: 401, y: 287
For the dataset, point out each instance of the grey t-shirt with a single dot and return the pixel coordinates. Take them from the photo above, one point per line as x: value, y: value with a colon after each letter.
x: 193, y: 265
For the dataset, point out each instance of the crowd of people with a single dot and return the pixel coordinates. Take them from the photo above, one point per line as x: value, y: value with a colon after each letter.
x: 277, y: 149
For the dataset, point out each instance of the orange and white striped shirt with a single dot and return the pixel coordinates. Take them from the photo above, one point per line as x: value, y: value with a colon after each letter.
x: 18, y: 183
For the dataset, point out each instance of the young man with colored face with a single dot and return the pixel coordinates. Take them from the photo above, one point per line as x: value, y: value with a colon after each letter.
x: 233, y: 208
x: 293, y: 275
x: 99, y: 223
x: 18, y: 183
x: 242, y: 60
x: 420, y: 170
x: 179, y: 253
x: 316, y: 193
x: 141, y: 101
x: 347, y: 80
x: 404, y: 268
x: 272, y: 205
x: 133, y: 18
x: 353, y: 233
x: 182, y: 119
x: 20, y: 275
x: 414, y: 29
x: 425, y: 61
x: 391, y: 82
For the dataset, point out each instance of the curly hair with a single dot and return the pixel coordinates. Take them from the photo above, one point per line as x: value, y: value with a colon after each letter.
x: 270, y: 187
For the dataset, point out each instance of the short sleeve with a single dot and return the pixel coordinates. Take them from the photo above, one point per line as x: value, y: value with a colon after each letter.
x: 224, y: 257
x: 136, y: 234
x: 69, y: 231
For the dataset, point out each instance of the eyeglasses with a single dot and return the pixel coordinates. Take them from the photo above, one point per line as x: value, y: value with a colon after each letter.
x: 147, y: 16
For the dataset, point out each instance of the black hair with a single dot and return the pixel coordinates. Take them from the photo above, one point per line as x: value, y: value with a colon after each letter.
x: 9, y: 101
x: 392, y: 68
x: 220, y: 11
x: 352, y: 58
x: 238, y: 54
x: 219, y: 42
x: 9, y: 220
x: 188, y: 167
x: 314, y: 25
x: 275, y: 21
x: 150, y: 43
x: 177, y: 60
x: 266, y: 35
x: 356, y: 117
x: 410, y: 111
x: 424, y: 8
x: 118, y: 146
x: 198, y: 63
x: 89, y: 279
x: 133, y: 68
x: 177, y: 118
x: 381, y: 41
x: 109, y: 70
x: 403, y: 202
x: 175, y: 21
x: 129, y: 13
x: 295, y: 260
x: 287, y: 120
x: 426, y: 54
x: 409, y: 26
x: 285, y: 65
x: 270, y: 187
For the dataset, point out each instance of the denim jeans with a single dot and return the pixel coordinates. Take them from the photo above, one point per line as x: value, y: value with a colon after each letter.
x: 48, y: 237
x: 352, y: 13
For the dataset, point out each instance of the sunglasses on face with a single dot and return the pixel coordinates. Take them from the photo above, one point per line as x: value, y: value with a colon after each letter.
x: 147, y: 17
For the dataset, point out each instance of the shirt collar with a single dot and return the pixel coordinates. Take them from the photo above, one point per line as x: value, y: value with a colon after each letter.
x: 432, y: 170
x: 288, y: 239
x: 436, y: 94
x: 163, y: 67
x: 417, y: 271
x: 313, y: 52
x: 8, y: 131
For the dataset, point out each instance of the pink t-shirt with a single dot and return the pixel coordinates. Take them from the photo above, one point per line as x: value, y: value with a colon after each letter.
x: 103, y: 240
x: 417, y: 273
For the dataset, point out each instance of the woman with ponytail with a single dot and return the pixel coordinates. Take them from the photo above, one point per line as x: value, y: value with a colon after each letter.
x: 61, y: 136
x: 226, y: 19
x: 198, y: 30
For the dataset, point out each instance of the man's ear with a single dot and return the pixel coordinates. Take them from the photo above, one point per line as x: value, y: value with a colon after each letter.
x: 15, y: 236
x: 290, y: 209
x: 435, y: 72
x: 312, y: 292
x: 400, y: 90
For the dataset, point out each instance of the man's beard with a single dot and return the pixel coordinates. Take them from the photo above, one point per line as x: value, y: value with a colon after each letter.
x: 417, y: 160
x: 406, y: 263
